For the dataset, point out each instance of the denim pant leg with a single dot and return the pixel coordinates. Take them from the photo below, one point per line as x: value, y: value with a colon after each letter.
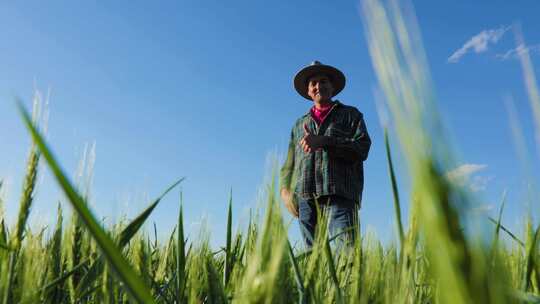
x: 343, y: 215
x: 307, y: 217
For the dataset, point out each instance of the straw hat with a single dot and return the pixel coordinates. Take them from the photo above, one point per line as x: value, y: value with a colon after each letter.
x: 301, y: 79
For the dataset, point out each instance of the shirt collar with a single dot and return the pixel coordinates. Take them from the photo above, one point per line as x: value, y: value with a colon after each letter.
x: 336, y: 104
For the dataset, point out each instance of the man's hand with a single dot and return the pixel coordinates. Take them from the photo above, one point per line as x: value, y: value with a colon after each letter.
x: 287, y: 198
x: 311, y: 142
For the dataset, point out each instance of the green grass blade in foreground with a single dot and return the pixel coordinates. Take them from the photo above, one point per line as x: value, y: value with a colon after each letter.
x: 524, y: 297
x: 125, y: 273
x: 228, y: 260
x: 530, y: 82
x: 297, y: 274
x: 531, y: 260
x: 63, y: 277
x: 499, y: 219
x: 87, y: 281
x: 3, y: 231
x: 513, y: 236
x: 332, y: 269
x: 397, y: 206
x: 130, y: 230
x: 3, y: 236
x: 495, y: 242
x: 216, y: 292
x: 27, y: 199
x: 4, y: 246
x: 180, y: 257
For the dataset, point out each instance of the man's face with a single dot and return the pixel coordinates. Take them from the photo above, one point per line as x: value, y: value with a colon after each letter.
x: 320, y: 88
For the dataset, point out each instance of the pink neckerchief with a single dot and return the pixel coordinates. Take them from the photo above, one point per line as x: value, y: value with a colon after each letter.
x: 320, y: 114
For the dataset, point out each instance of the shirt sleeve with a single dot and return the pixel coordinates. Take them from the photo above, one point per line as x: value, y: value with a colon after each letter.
x: 355, y: 148
x: 287, y: 170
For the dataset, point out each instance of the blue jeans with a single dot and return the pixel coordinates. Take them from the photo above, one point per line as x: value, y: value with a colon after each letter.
x: 342, y: 215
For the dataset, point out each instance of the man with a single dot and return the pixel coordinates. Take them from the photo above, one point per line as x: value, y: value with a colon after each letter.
x: 324, y: 163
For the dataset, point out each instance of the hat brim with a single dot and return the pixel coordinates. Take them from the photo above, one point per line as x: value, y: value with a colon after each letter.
x: 301, y: 79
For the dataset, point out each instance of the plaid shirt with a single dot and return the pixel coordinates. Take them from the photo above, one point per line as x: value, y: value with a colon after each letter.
x: 336, y: 169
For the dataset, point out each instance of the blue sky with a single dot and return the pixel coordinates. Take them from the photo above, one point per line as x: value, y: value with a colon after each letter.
x: 203, y: 90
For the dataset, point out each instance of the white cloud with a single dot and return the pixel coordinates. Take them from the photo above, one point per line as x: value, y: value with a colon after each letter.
x: 520, y: 49
x: 463, y: 176
x: 483, y: 208
x: 464, y: 171
x: 479, y: 183
x: 479, y: 43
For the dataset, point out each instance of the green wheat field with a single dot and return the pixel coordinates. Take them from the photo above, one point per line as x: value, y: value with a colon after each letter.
x: 433, y: 259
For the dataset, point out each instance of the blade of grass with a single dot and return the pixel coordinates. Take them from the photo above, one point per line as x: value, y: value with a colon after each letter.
x: 62, y: 278
x: 513, y: 236
x: 3, y: 236
x: 89, y: 277
x: 495, y: 245
x: 27, y: 199
x: 307, y: 252
x: 529, y: 77
x: 531, y: 260
x: 90, y: 291
x: 55, y: 259
x: 297, y: 274
x: 228, y: 260
x: 130, y: 230
x: 126, y: 235
x: 3, y: 233
x: 4, y: 246
x: 499, y: 219
x: 332, y: 269
x: 125, y: 273
x: 397, y: 207
x: 524, y: 297
x: 180, y: 257
x: 216, y: 293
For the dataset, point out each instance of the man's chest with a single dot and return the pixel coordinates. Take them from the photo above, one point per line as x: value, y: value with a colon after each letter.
x: 335, y: 125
